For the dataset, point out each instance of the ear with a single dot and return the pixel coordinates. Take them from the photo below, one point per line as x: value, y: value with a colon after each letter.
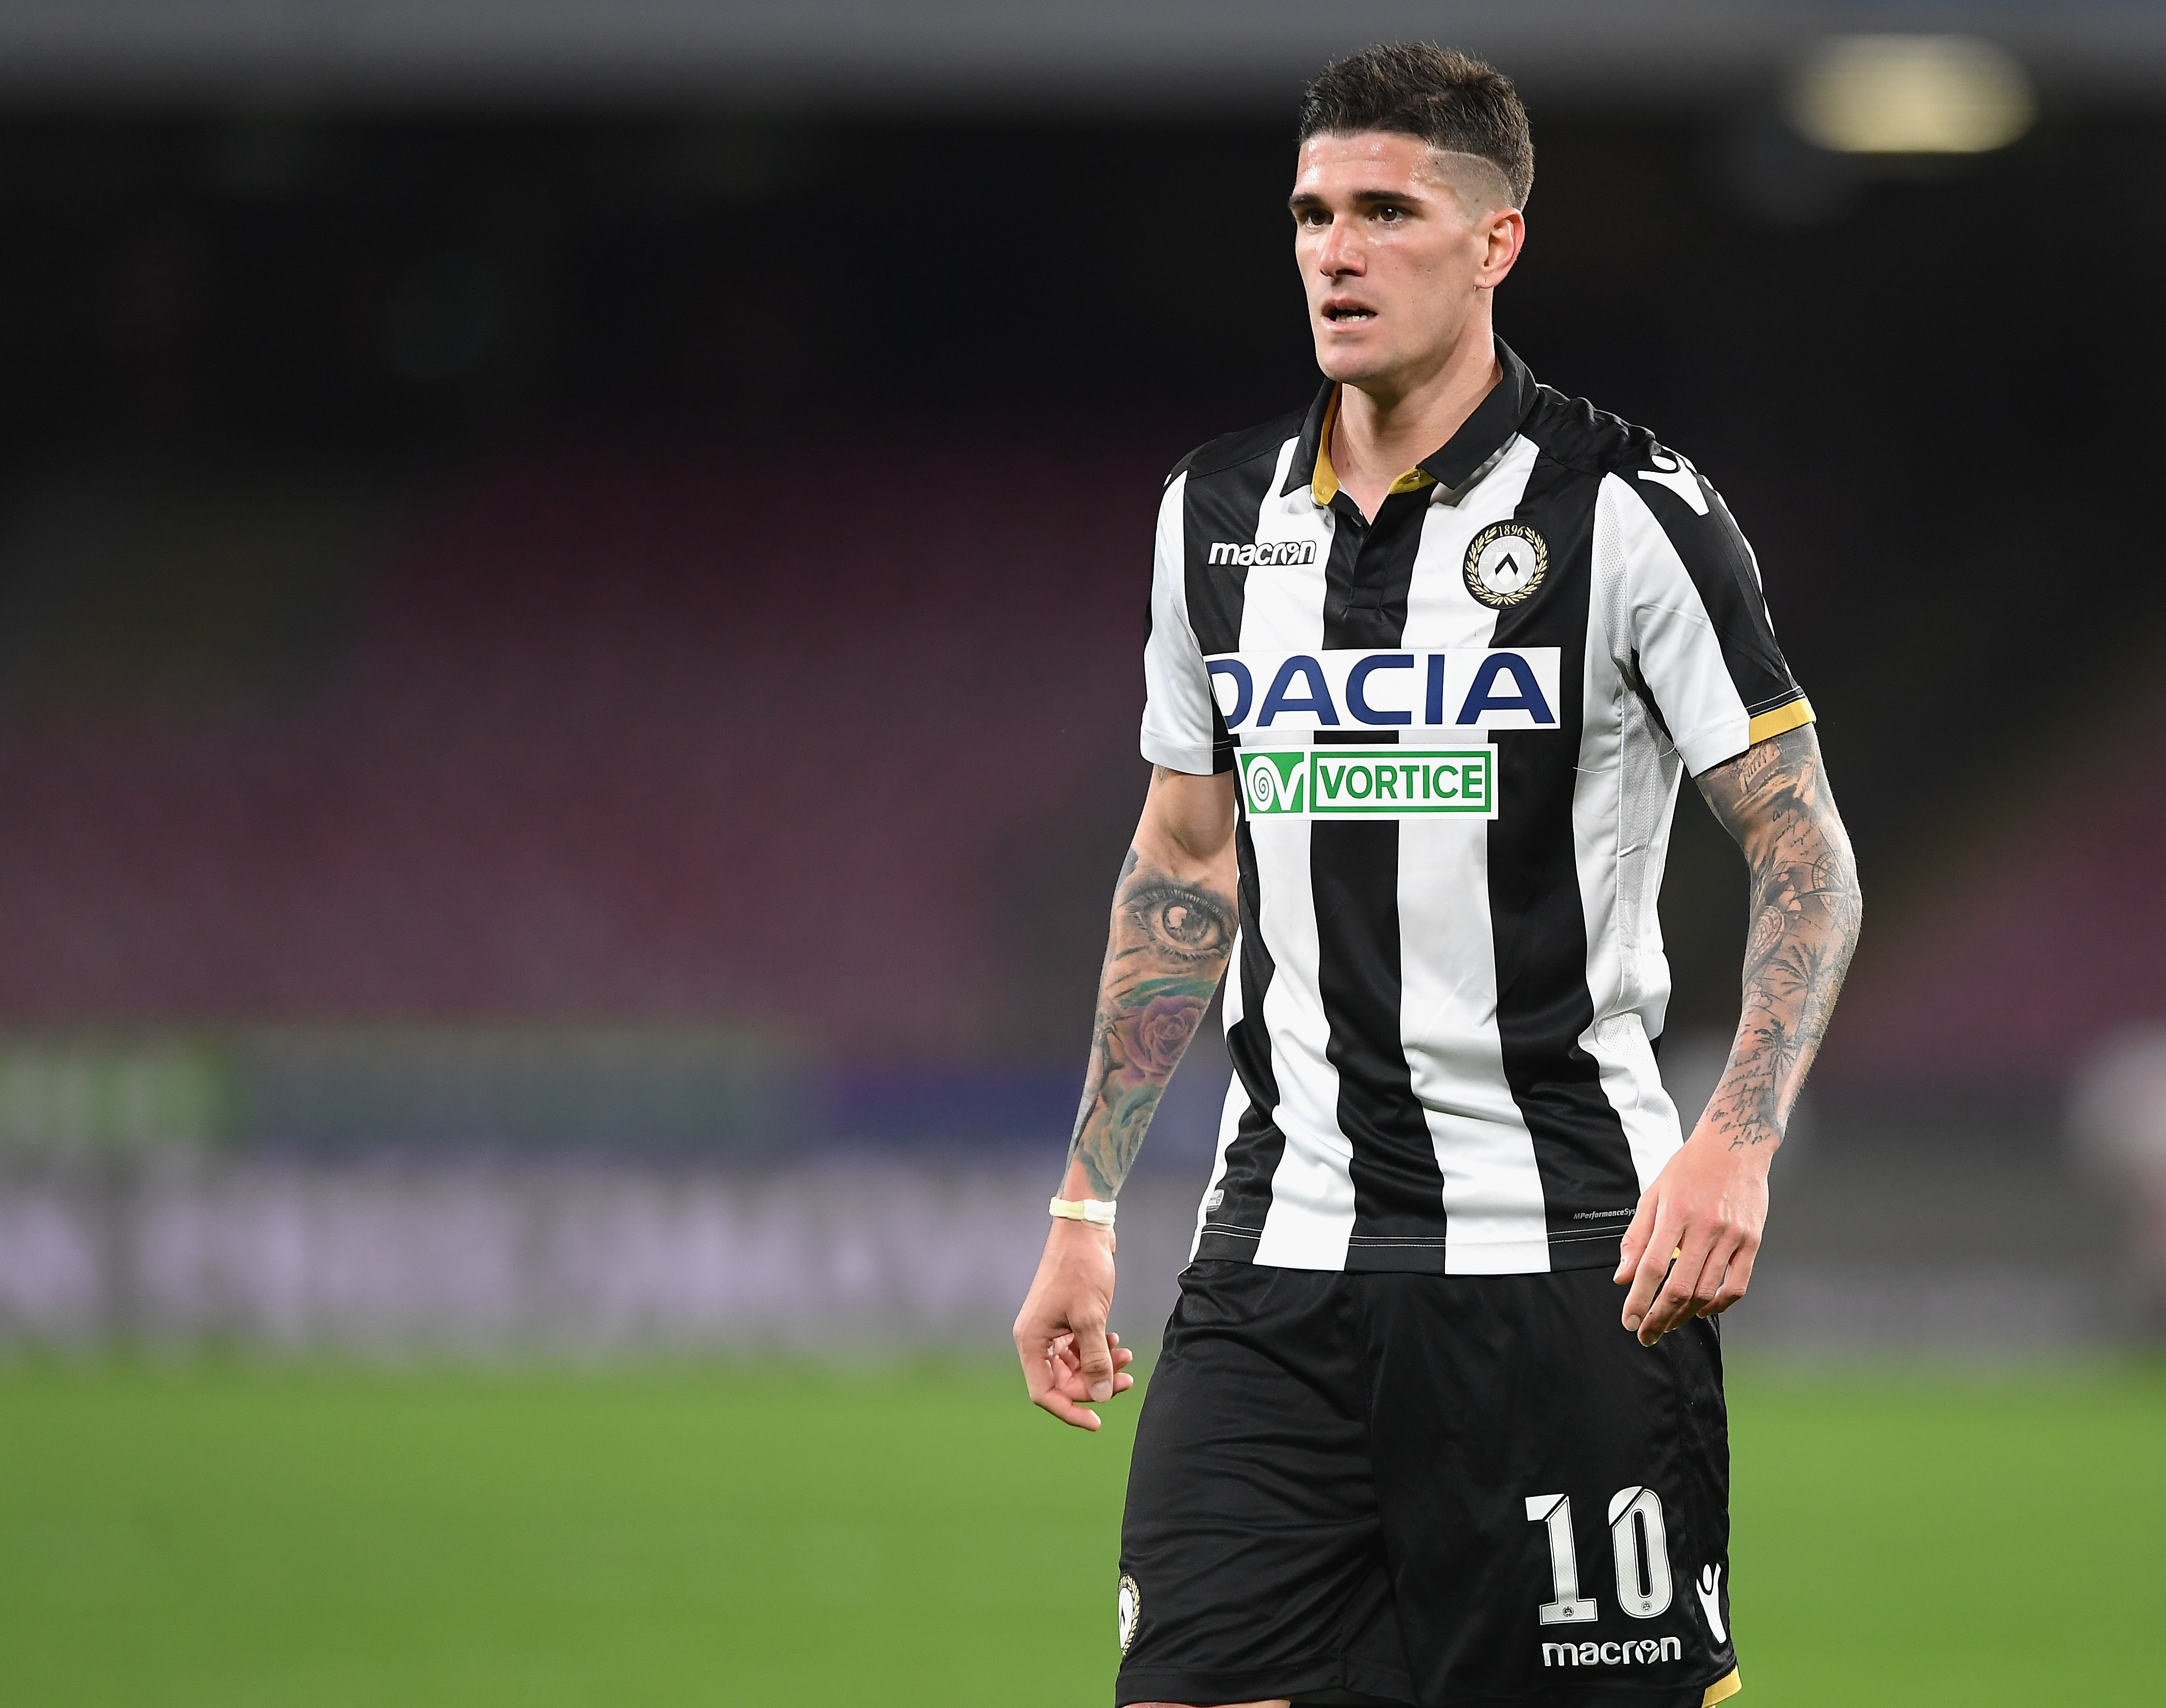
x: 1503, y: 233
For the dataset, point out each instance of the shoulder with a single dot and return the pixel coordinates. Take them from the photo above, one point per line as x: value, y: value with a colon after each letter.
x: 1681, y: 500
x: 1573, y: 432
x: 1233, y: 451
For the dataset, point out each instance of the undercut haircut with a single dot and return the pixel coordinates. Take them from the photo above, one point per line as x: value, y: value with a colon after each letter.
x: 1450, y: 101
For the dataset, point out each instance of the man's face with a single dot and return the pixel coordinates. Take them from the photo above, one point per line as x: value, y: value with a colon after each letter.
x: 1399, y: 245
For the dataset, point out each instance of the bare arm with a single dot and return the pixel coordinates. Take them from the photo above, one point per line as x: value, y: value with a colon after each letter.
x: 1172, y: 933
x: 1172, y: 929
x: 1806, y: 907
x: 1709, y: 1204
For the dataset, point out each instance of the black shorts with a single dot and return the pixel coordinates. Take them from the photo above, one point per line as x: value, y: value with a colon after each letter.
x: 1431, y: 1489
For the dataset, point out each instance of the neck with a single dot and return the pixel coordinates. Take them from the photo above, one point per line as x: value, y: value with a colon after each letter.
x: 1386, y: 427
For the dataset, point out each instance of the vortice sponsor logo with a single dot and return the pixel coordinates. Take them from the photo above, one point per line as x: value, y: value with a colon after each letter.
x: 1263, y: 554
x: 1388, y: 783
x: 1642, y: 1652
x: 1470, y: 688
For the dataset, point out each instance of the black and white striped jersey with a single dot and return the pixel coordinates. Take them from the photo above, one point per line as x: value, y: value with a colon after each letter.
x: 1458, y: 733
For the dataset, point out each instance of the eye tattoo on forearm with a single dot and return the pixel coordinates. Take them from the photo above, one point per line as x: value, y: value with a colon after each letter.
x: 1164, y: 955
x: 1806, y: 911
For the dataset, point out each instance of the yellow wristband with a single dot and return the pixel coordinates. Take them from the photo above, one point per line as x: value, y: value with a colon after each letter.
x: 1097, y: 1211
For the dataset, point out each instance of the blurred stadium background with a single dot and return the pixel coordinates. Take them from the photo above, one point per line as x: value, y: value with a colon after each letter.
x: 571, y: 580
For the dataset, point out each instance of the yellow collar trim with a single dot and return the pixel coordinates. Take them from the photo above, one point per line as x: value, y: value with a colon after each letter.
x: 1323, y: 484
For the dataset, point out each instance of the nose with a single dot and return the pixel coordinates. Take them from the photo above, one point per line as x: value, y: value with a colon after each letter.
x: 1340, y: 254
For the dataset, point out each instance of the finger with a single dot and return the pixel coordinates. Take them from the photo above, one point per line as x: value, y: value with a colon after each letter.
x: 1635, y: 1239
x: 1736, y: 1278
x: 1048, y: 1374
x: 1070, y: 1382
x: 1068, y: 1378
x: 1067, y: 1369
x: 1095, y: 1359
x: 1031, y: 1345
x: 1073, y: 1388
x: 1681, y: 1292
x: 1066, y: 1410
x: 1041, y: 1369
x: 1047, y: 1348
x: 1674, y: 1299
x: 1653, y: 1266
x: 1722, y: 1241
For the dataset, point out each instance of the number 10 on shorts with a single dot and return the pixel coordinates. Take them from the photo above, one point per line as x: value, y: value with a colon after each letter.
x: 1635, y: 1521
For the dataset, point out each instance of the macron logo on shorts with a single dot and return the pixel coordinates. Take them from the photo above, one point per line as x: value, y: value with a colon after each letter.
x: 1645, y: 1652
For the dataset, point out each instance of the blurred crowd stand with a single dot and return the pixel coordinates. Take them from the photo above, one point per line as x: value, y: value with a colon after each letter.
x: 565, y: 1254
x: 544, y: 1186
x: 610, y: 1188
x: 2117, y: 1120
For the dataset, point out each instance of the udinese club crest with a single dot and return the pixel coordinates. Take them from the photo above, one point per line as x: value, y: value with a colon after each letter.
x: 1505, y: 564
x: 1132, y: 1605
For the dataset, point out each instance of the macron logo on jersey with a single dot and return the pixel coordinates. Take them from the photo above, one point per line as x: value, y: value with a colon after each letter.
x: 1465, y: 689
x: 1267, y: 554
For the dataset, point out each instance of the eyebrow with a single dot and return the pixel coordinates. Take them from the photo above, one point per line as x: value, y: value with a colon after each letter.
x: 1303, y: 199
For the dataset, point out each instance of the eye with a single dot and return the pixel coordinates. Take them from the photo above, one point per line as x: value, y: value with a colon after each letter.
x: 1184, y: 920
x: 1391, y: 215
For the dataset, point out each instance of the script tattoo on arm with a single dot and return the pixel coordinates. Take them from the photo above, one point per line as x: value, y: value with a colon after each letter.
x: 1166, y: 953
x: 1806, y: 909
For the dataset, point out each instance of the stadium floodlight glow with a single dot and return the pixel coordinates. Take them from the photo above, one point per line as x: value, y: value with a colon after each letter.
x: 1912, y: 94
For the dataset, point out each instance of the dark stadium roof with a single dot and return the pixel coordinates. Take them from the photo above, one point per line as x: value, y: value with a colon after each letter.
x: 1201, y: 54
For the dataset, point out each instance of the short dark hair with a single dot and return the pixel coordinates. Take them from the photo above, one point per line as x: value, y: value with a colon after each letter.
x: 1449, y: 100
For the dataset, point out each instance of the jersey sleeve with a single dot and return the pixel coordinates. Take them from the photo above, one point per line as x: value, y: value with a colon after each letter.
x: 1182, y: 730
x: 1695, y: 634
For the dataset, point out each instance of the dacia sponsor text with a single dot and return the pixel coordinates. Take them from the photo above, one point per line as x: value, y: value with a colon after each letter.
x: 1642, y: 1652
x: 1263, y: 554
x: 1463, y: 688
x: 1381, y: 783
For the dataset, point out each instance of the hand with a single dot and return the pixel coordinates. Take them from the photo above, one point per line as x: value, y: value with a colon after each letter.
x: 1060, y: 1334
x: 1708, y: 1206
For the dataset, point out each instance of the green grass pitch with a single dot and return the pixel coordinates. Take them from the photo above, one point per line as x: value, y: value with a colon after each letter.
x: 314, y: 1536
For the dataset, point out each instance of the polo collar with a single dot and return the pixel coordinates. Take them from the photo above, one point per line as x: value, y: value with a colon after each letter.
x: 1495, y: 420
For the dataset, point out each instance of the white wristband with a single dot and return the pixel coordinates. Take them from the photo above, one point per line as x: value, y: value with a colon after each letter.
x: 1097, y: 1211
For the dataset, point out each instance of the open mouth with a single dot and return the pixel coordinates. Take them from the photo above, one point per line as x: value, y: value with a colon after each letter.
x: 1347, y: 314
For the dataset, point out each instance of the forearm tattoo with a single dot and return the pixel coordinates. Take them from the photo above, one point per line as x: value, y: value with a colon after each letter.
x: 1806, y: 910
x: 1164, y: 954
